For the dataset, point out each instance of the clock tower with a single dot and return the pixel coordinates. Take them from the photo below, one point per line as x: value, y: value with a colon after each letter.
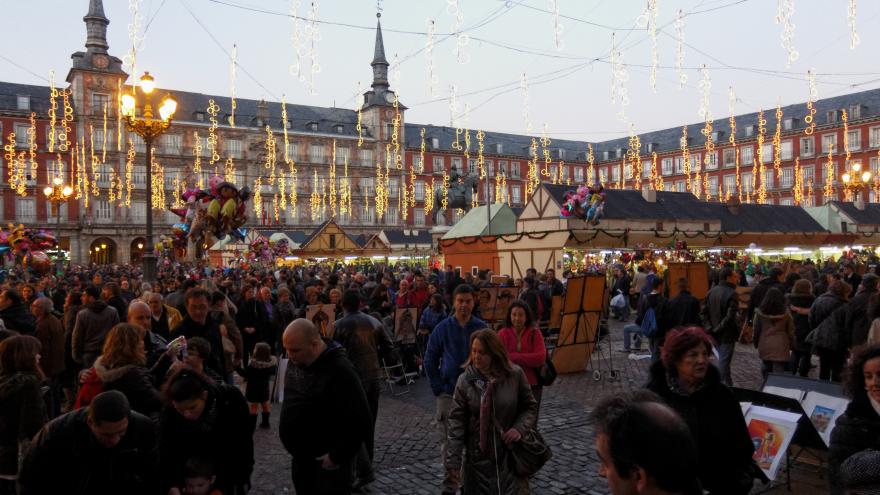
x: 378, y: 110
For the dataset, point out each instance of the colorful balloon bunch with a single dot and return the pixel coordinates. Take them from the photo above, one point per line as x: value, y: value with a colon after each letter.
x: 26, y: 245
x: 586, y: 203
x: 214, y: 213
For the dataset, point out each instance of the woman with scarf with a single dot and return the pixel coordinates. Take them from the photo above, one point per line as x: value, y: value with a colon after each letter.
x: 493, y: 407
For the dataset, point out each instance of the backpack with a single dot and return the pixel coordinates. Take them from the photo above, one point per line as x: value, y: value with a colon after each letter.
x: 649, y: 323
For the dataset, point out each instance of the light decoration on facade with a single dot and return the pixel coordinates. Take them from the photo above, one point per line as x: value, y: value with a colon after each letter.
x: 313, y: 36
x: 679, y: 49
x: 213, y: 110
x: 634, y: 156
x: 534, y: 179
x: 429, y: 58
x: 95, y: 170
x: 798, y: 183
x: 685, y: 157
x: 66, y: 129
x: 258, y: 197
x: 360, y: 118
x: 731, y: 102
x: 545, y: 152
x: 282, y: 190
x: 810, y: 118
x: 111, y: 191
x: 296, y: 68
x: 197, y: 161
x: 233, y: 68
x: 119, y: 115
x: 461, y: 39
x: 332, y: 181
x: 229, y: 170
x: 429, y: 196
x: 135, y: 37
x: 275, y: 209
x: 829, y: 174
x: 422, y: 148
x: 176, y: 193
x: 9, y: 155
x: 784, y: 13
x: 648, y: 20
x: 269, y: 163
x: 558, y: 28
x: 104, y: 144
x: 619, y: 78
x: 762, y: 131
x: 777, y: 143
x: 53, y: 112
x: 656, y: 176
x: 854, y: 39
x: 32, y: 150
x: 395, y: 136
x: 706, y: 112
x: 845, y: 118
x: 591, y: 161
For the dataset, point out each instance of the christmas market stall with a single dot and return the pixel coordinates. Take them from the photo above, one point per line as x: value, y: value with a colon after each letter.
x: 472, y: 244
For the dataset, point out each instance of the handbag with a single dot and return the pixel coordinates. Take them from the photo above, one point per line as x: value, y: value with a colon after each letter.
x: 747, y: 334
x: 546, y: 374
x: 529, y: 454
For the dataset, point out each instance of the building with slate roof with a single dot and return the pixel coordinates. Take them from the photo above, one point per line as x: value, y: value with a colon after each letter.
x: 317, y: 134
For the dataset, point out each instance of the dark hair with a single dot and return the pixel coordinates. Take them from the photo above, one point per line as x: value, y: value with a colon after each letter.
x: 186, y: 384
x: 201, y: 345
x: 492, y: 346
x: 802, y: 287
x: 14, y: 296
x: 679, y: 341
x: 262, y: 352
x: 436, y: 298
x: 773, y: 303
x: 351, y: 300
x: 195, y: 293
x: 775, y: 272
x: 92, y: 291
x: 643, y: 432
x: 530, y: 281
x: 791, y: 278
x: 109, y: 407
x: 530, y: 319
x: 854, y: 379
x: 113, y: 287
x: 188, y: 284
x: 19, y: 354
x: 463, y: 289
x: 725, y: 273
x: 198, y: 468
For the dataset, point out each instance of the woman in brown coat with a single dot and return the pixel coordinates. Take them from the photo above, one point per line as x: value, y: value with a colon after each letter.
x: 774, y: 332
x: 493, y: 407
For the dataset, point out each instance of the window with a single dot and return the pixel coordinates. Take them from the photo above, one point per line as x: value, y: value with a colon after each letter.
x: 391, y: 216
x: 435, y: 143
x: 103, y: 212
x: 456, y: 165
x: 829, y: 142
x: 729, y: 157
x: 206, y: 148
x: 679, y: 165
x: 98, y: 102
x: 694, y: 159
x: 808, y: 146
x: 419, y: 217
x: 338, y: 129
x: 680, y: 186
x: 419, y: 190
x: 578, y: 174
x: 367, y: 186
x: 808, y: 175
x: 104, y: 172
x: 139, y: 178
x: 366, y: 157
x: 712, y: 162
x: 26, y: 209
x: 750, y: 130
x: 21, y: 135
x: 746, y: 154
x: 787, y: 177
x: 627, y: 171
x: 603, y: 175
x: 312, y: 126
x: 342, y: 155
x: 767, y: 152
x: 554, y: 172
x: 666, y: 166
x: 768, y: 178
x: 747, y: 182
x: 316, y: 153
x: 24, y: 102
x: 233, y: 148
x: 615, y: 173
x: 472, y: 166
x: 171, y: 143
x: 874, y: 137
x: 515, y: 197
x: 855, y: 112
x: 490, y: 168
x: 503, y: 168
x: 138, y: 211
x: 786, y: 150
x: 854, y: 139
x: 729, y: 182
x: 561, y: 153
x: 169, y: 178
x: 831, y: 116
x: 438, y: 165
x: 514, y: 170
x: 293, y: 151
x: 57, y: 168
x: 712, y: 186
x: 786, y: 201
x: 646, y: 169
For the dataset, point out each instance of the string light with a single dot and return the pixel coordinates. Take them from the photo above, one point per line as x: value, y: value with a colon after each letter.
x: 784, y: 13
x: 762, y: 130
x: 619, y: 78
x: 777, y: 142
x: 282, y: 191
x: 798, y: 183
x: 229, y: 170
x: 633, y: 153
x: 213, y: 110
x: 461, y: 39
x: 197, y: 162
x: 591, y: 160
x: 658, y: 177
x: 176, y: 194
x: 545, y: 152
x: 333, y: 179
x: 810, y: 118
x: 94, y: 161
x: 104, y: 144
x: 454, y: 108
x: 524, y: 89
x: 685, y: 156
x: 845, y: 119
x: 422, y: 148
x: 810, y: 193
x: 533, y: 176
x: 395, y: 136
x: 119, y: 115
x: 360, y: 117
x: 9, y: 155
x: 32, y: 147
x: 557, y: 26
x: 433, y: 80
x: 731, y: 102
x: 313, y: 35
x: 66, y: 129
x: 232, y: 71
x: 129, y: 61
x: 271, y: 157
x: 854, y: 39
x: 111, y: 191
x: 258, y: 197
x: 275, y: 207
x: 829, y: 174
x: 284, y: 125
x: 429, y: 198
x: 679, y: 50
x: 296, y: 68
x: 648, y: 20
x: 706, y: 112
x: 53, y: 109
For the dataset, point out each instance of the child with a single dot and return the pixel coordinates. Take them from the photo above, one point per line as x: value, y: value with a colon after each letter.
x: 258, y: 373
x: 199, y: 478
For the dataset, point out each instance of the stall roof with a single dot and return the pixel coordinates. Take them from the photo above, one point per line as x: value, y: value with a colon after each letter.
x: 401, y: 237
x: 475, y: 223
x: 765, y: 218
x: 869, y: 216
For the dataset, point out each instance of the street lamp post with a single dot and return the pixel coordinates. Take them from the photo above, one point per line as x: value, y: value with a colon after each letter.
x: 56, y: 194
x: 149, y: 128
x: 855, y: 181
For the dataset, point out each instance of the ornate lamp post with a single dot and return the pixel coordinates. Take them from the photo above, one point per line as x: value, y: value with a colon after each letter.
x: 855, y: 181
x: 56, y: 194
x: 149, y: 128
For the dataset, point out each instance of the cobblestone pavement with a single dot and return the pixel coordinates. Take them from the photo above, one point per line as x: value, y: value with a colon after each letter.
x: 407, y: 453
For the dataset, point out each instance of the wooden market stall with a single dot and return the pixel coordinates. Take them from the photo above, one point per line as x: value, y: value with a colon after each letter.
x: 472, y: 244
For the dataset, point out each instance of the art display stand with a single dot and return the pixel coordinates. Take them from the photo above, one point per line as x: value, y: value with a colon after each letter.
x: 697, y: 274
x: 579, y: 326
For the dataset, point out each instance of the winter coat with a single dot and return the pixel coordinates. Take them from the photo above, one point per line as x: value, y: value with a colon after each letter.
x: 621, y: 285
x: 531, y: 298
x: 22, y: 414
x: 65, y: 458
x: 431, y: 317
x: 251, y: 313
x: 221, y: 435
x: 822, y: 308
x: 258, y: 375
x: 50, y: 332
x: 774, y: 336
x: 528, y: 352
x: 167, y: 321
x: 857, y: 320
x: 325, y: 409
x: 512, y: 406
x: 210, y: 331
x: 760, y: 291
x: 801, y: 321
x: 18, y: 317
x: 365, y: 343
x: 89, y: 331
x: 856, y: 430
x: 715, y: 419
x: 831, y: 332
x: 120, y: 305
x: 282, y: 315
x: 448, y: 349
x: 139, y: 384
x: 721, y: 311
x: 683, y: 310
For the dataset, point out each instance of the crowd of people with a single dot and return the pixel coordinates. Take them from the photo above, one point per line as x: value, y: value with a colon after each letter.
x: 107, y: 381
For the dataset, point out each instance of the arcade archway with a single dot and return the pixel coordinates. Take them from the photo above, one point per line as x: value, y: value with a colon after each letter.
x: 102, y: 251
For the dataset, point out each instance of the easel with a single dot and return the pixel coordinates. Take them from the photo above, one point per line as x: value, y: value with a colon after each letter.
x: 579, y: 328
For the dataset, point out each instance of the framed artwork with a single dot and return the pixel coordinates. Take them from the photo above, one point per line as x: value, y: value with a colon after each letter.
x: 506, y: 295
x: 486, y: 297
x: 405, y: 325
x: 322, y: 315
x: 823, y: 411
x: 771, y: 432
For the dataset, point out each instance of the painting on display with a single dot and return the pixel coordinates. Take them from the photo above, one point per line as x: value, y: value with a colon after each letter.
x: 323, y: 317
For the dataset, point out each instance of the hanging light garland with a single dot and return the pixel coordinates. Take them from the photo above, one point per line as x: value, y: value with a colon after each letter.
x: 557, y: 26
x: 619, y: 78
x: 275, y: 210
x: 685, y: 157
x: 461, y: 39
x: 232, y: 73
x: 635, y: 160
x: 679, y: 49
x: 845, y: 118
x: 798, y: 183
x: 657, y: 177
x: 258, y: 197
x: 313, y: 36
x: 213, y: 110
x: 53, y: 109
x: 282, y: 190
x: 777, y: 143
x: 129, y: 171
x: 9, y: 155
x: 731, y: 102
x: 429, y: 197
x: 810, y: 118
x: 591, y: 160
x: 360, y: 118
x: 197, y: 161
x: 545, y: 152
x: 829, y: 174
x: 762, y: 130
x: 533, y: 176
x: 332, y: 202
x: 395, y: 136
x: 296, y: 68
x: 104, y: 144
x: 119, y: 115
x: 706, y: 113
x: 648, y: 20
x: 854, y: 39
x: 784, y: 13
x: 94, y: 161
x: 433, y: 80
x: 32, y: 148
x: 271, y: 157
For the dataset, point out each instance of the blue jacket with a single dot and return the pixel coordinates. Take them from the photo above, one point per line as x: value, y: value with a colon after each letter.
x: 448, y: 349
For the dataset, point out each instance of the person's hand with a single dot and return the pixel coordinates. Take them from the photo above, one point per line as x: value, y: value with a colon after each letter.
x: 326, y: 463
x: 454, y: 475
x: 511, y: 436
x: 174, y: 491
x: 250, y: 329
x: 86, y: 375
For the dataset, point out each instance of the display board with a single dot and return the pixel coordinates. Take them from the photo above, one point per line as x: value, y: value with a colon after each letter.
x: 697, y: 275
x: 581, y: 311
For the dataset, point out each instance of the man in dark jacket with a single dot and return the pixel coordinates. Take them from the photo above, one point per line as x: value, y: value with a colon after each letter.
x: 364, y: 340
x: 622, y: 284
x: 851, y: 277
x: 50, y: 333
x: 325, y: 417
x: 720, y: 317
x: 111, y: 294
x: 107, y: 448
x: 199, y: 323
x: 773, y: 280
x: 91, y: 327
x: 15, y: 313
x: 684, y: 308
x: 857, y: 320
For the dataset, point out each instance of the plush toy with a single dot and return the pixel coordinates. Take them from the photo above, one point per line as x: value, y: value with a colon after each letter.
x: 597, y: 204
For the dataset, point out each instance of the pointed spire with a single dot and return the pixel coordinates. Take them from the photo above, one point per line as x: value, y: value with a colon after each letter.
x: 379, y: 63
x: 96, y: 28
x: 379, y: 53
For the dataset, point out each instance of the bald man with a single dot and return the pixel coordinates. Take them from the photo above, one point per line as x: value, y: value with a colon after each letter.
x: 140, y: 314
x: 325, y: 416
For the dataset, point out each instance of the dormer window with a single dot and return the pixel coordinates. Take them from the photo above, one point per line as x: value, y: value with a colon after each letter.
x: 750, y: 130
x: 288, y: 124
x: 499, y: 148
x: 435, y: 143
x: 24, y: 102
x: 312, y: 126
x: 652, y: 147
x: 606, y: 155
x: 788, y: 124
x: 199, y: 116
x: 716, y: 135
x: 855, y: 112
x: 618, y: 152
x: 561, y: 153
x: 259, y: 122
x: 338, y: 129
x: 831, y: 116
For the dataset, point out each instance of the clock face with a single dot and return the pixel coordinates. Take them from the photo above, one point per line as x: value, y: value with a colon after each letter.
x: 389, y: 97
x: 100, y: 61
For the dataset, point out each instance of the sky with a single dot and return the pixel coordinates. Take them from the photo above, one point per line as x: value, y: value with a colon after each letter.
x: 566, y: 58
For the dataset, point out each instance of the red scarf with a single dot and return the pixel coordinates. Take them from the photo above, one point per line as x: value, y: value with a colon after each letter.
x: 486, y: 415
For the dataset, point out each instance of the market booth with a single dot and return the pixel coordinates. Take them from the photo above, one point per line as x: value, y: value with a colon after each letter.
x: 472, y: 243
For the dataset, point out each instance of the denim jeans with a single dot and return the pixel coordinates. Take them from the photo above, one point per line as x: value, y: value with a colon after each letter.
x: 628, y: 331
x: 725, y: 358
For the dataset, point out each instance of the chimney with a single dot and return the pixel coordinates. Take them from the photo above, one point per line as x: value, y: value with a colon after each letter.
x: 733, y: 205
x: 650, y: 195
